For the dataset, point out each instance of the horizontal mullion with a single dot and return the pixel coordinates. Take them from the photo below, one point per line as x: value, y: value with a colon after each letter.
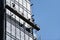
x: 19, y: 24
x: 23, y: 18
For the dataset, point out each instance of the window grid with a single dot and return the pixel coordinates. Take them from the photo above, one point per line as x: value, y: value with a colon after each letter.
x: 21, y: 29
x: 22, y: 9
x: 17, y: 3
x: 12, y: 37
x: 28, y: 17
x: 15, y: 21
x: 21, y: 5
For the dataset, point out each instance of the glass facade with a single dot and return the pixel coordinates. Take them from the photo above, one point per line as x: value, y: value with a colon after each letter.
x: 14, y: 28
x: 21, y: 6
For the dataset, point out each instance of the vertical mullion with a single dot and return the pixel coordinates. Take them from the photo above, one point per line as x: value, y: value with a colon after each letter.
x: 24, y: 33
x: 26, y: 10
x: 22, y: 10
x: 10, y: 22
x: 15, y: 21
x: 4, y: 21
x: 15, y: 18
x: 19, y: 22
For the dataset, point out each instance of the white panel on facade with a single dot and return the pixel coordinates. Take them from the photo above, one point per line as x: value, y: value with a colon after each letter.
x: 20, y: 1
x: 17, y: 18
x: 13, y: 30
x: 7, y: 11
x: 21, y: 21
x: 24, y: 3
x: 17, y: 0
x: 31, y: 38
x: 7, y: 37
x: 21, y: 10
x: 8, y: 27
x: 22, y: 35
x: 25, y: 14
x: 8, y: 2
x: 28, y: 6
x: 16, y: 6
x: 27, y: 25
x: 12, y: 39
x: 29, y: 16
x: 17, y: 33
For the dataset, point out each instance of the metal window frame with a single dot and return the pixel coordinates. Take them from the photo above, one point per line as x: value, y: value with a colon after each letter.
x: 23, y: 28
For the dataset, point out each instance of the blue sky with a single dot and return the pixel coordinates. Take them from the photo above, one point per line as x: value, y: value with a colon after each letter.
x: 47, y: 15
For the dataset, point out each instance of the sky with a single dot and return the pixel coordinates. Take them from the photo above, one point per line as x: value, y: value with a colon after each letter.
x: 47, y: 16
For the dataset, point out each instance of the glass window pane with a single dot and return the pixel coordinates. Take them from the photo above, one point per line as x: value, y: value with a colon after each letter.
x: 26, y: 37
x: 20, y: 1
x: 22, y: 35
x: 31, y: 38
x: 25, y: 14
x: 7, y: 37
x: 8, y: 2
x: 13, y: 30
x: 21, y: 10
x: 24, y: 3
x: 17, y: 33
x: 8, y: 27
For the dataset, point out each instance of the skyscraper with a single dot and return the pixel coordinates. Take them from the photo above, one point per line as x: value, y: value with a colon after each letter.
x: 16, y: 22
